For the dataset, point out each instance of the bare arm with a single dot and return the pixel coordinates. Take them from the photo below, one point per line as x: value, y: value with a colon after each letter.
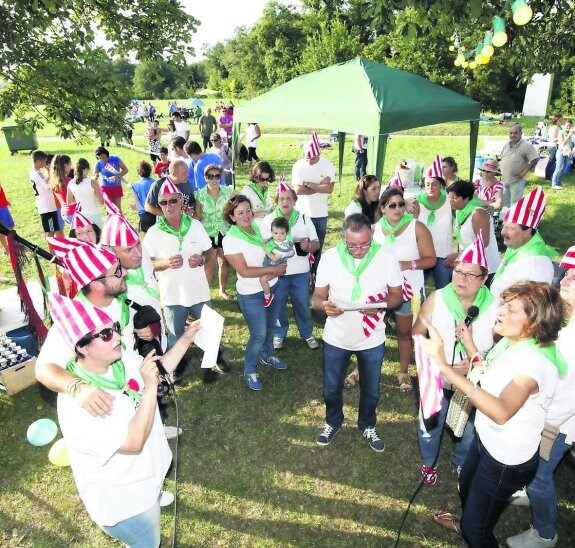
x: 70, y: 198
x: 238, y: 262
x: 427, y: 257
x: 153, y: 209
x: 172, y: 357
x: 480, y: 223
x: 123, y: 169
x: 97, y: 191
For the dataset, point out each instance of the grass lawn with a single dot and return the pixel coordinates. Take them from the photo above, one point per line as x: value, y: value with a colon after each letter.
x: 250, y: 473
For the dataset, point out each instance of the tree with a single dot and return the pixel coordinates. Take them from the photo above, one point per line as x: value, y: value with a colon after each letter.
x: 153, y: 78
x: 51, y: 56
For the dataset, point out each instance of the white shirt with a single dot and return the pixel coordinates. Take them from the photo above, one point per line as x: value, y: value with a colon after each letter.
x: 352, y: 209
x: 85, y: 195
x: 257, y: 204
x: 251, y: 136
x: 253, y: 255
x: 491, y: 251
x: 516, y: 441
x: 441, y: 229
x: 303, y: 228
x: 183, y: 286
x: 114, y: 486
x: 44, y: 196
x: 181, y: 129
x: 315, y: 205
x: 346, y: 330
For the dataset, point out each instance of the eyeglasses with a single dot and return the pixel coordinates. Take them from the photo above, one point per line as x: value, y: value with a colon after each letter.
x: 118, y: 273
x: 467, y: 275
x: 394, y: 205
x: 212, y: 176
x: 171, y: 201
x: 358, y: 247
x: 107, y: 333
x: 261, y: 178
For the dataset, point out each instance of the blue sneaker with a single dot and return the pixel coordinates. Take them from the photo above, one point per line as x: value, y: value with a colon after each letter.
x: 274, y: 362
x: 253, y: 381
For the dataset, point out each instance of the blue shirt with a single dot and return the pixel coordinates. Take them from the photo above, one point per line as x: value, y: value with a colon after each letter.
x: 200, y: 165
x: 114, y: 161
x: 141, y: 189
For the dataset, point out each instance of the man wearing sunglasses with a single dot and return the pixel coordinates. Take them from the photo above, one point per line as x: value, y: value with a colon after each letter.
x: 200, y: 160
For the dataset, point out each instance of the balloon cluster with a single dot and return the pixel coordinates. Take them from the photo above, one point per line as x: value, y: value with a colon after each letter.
x: 496, y: 37
x: 42, y: 432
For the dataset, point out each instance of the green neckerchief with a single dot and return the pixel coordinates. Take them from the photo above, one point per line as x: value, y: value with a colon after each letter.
x: 423, y: 199
x: 293, y: 218
x: 185, y: 224
x: 535, y: 246
x: 99, y: 381
x: 136, y: 277
x: 549, y: 352
x: 263, y: 196
x: 390, y: 237
x: 254, y: 239
x: 482, y: 300
x: 348, y: 262
x: 462, y: 215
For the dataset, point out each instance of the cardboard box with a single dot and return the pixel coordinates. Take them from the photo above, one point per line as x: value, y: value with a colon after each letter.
x: 17, y: 377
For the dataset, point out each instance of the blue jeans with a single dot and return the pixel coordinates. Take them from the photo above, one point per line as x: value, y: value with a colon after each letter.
x: 441, y: 274
x: 335, y: 362
x: 430, y: 441
x: 176, y: 316
x: 141, y: 531
x: 320, y: 224
x: 261, y: 323
x: 541, y: 491
x: 485, y: 486
x: 360, y: 164
x: 559, y: 168
x: 296, y: 287
x: 513, y: 192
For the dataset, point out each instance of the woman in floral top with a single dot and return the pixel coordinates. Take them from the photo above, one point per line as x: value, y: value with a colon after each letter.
x: 210, y: 201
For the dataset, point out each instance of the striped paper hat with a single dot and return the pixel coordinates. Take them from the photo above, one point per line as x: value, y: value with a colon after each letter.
x: 118, y: 231
x: 569, y: 258
x: 111, y: 207
x: 395, y: 181
x: 311, y: 148
x: 74, y: 319
x: 79, y: 220
x: 282, y: 185
x: 168, y: 187
x: 474, y: 253
x: 436, y: 168
x: 84, y: 261
x: 529, y: 210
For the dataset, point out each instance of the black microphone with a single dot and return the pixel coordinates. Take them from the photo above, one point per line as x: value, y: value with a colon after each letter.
x: 164, y: 375
x: 472, y: 313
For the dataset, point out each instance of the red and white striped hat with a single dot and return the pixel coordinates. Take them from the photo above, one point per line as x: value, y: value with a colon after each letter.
x: 529, y: 210
x: 568, y: 260
x: 396, y: 181
x: 474, y: 253
x: 74, y: 319
x: 168, y: 187
x: 111, y: 207
x: 79, y: 220
x: 311, y: 148
x: 283, y: 185
x: 84, y: 261
x: 436, y: 168
x: 118, y: 231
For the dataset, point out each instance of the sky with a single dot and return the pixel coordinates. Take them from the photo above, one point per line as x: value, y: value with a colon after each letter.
x: 219, y: 18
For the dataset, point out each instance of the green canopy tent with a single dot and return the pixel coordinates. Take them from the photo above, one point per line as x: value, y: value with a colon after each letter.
x: 361, y: 96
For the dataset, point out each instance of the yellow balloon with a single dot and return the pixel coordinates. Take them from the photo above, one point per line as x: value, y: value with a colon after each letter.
x: 499, y: 39
x: 523, y: 15
x: 58, y: 454
x: 457, y: 62
x: 465, y: 64
x: 488, y: 51
x: 451, y: 48
x: 472, y: 65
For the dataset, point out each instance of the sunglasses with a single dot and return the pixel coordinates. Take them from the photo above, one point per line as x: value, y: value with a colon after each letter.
x: 171, y: 201
x: 107, y: 333
x: 117, y: 273
x: 394, y: 205
x: 264, y: 178
x: 212, y: 176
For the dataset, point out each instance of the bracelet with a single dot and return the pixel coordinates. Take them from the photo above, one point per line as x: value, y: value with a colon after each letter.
x: 471, y: 392
x: 73, y: 386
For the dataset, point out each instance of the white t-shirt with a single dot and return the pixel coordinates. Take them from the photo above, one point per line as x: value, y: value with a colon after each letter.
x: 491, y: 251
x: 44, y: 196
x: 315, y: 205
x: 181, y: 129
x: 183, y: 286
x: 563, y: 403
x: 441, y: 229
x: 253, y: 255
x: 303, y: 228
x: 257, y: 204
x: 516, y: 441
x: 346, y: 331
x: 535, y: 268
x: 251, y: 136
x: 352, y: 209
x: 85, y: 195
x: 114, y: 486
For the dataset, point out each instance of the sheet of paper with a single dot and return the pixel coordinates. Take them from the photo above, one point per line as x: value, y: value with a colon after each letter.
x: 209, y: 336
x: 344, y: 305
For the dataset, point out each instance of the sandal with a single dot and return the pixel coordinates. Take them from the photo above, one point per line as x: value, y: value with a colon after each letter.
x: 405, y: 385
x: 448, y: 521
x: 352, y: 379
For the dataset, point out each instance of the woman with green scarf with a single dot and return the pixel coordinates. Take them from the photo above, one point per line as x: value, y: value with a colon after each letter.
x: 257, y: 190
x: 411, y: 242
x: 471, y: 220
x: 446, y: 309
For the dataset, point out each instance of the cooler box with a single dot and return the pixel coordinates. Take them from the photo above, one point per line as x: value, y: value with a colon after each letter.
x: 15, y: 378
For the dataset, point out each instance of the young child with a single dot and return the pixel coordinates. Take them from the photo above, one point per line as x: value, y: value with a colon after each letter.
x: 5, y: 218
x: 161, y: 168
x: 141, y: 189
x: 278, y: 250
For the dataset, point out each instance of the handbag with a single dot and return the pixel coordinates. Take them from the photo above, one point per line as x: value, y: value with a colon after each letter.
x: 458, y: 413
x: 548, y: 437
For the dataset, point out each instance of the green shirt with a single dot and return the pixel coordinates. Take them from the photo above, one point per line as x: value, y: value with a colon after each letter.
x: 212, y: 217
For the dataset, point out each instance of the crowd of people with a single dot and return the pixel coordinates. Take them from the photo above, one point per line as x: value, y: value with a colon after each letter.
x: 510, y: 359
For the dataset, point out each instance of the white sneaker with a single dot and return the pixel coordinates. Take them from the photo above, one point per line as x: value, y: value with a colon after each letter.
x: 172, y: 432
x: 531, y: 539
x: 166, y: 498
x: 519, y: 498
x: 278, y: 343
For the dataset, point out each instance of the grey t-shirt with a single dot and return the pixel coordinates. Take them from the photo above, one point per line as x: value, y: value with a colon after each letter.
x: 208, y: 124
